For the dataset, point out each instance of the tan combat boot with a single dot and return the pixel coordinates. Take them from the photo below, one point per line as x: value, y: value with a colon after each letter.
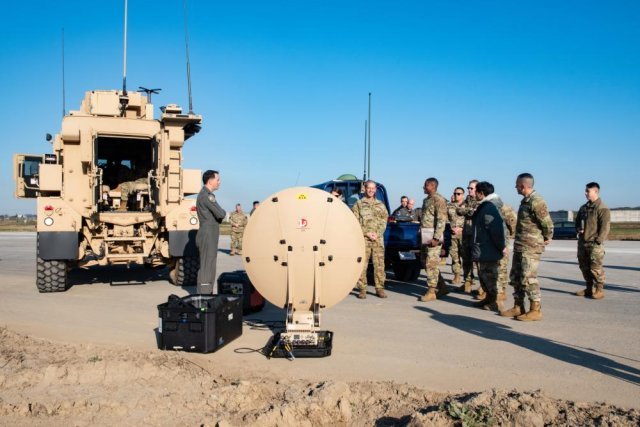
x: 380, y: 293
x: 598, y: 293
x: 362, y: 294
x: 502, y: 296
x: 466, y: 287
x: 483, y: 301
x: 492, y: 304
x: 586, y: 292
x: 517, y: 310
x: 480, y: 294
x: 442, y: 288
x: 232, y: 253
x: 456, y: 279
x: 429, y: 296
x: 533, y: 314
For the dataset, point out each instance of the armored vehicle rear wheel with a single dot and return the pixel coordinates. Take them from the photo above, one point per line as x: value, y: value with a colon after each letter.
x: 185, y: 271
x: 51, y: 275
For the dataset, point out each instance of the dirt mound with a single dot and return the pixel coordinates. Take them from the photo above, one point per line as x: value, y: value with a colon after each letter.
x: 45, y: 383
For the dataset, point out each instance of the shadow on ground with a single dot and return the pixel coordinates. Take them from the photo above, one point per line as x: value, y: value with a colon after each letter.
x: 615, y: 267
x: 117, y: 275
x: 607, y: 286
x: 560, y: 351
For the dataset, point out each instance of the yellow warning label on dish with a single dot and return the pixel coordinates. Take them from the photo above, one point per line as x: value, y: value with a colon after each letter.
x: 302, y: 196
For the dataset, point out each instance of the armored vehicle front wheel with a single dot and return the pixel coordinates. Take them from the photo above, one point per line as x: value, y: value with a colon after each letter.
x: 185, y: 271
x: 51, y: 275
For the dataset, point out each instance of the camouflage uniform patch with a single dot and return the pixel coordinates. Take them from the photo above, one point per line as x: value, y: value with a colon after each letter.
x: 128, y: 187
x: 372, y: 216
x: 524, y: 276
x: 590, y: 260
x: 510, y: 220
x: 373, y: 251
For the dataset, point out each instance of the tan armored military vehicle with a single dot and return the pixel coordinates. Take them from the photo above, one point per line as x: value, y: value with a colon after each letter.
x: 113, y: 191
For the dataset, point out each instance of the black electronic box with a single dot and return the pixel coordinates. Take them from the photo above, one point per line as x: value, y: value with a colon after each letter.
x: 238, y: 283
x: 199, y: 323
x: 277, y: 347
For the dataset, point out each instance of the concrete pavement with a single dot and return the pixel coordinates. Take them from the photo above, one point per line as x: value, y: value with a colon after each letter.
x: 582, y: 350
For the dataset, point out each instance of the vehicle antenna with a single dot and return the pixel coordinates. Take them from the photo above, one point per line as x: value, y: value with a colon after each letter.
x: 369, y: 149
x: 149, y: 92
x: 64, y: 107
x: 124, y: 70
x: 186, y: 43
x: 364, y: 172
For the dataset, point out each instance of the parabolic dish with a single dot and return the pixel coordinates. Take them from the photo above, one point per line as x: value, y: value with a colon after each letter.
x: 309, y: 232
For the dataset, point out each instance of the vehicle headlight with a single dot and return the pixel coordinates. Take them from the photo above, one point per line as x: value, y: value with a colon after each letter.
x: 48, y: 221
x: 193, y: 220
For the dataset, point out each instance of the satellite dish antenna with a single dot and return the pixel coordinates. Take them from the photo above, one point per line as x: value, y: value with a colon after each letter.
x: 304, y: 251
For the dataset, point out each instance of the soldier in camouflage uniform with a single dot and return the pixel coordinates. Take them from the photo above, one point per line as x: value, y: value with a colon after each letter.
x: 534, y: 231
x: 457, y: 223
x: 592, y: 225
x: 510, y: 219
x: 467, y: 209
x: 128, y: 188
x: 372, y: 216
x: 238, y: 221
x: 434, y: 217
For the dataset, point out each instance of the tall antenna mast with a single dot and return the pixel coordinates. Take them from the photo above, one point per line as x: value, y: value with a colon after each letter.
x: 124, y: 71
x: 186, y: 43
x: 364, y: 172
x: 369, y: 149
x: 64, y: 106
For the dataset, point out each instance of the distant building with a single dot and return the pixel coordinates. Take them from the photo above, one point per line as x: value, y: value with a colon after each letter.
x: 626, y: 215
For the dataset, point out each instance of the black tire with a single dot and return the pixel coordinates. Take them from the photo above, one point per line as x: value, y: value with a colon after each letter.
x: 406, y: 272
x: 185, y: 271
x: 51, y: 275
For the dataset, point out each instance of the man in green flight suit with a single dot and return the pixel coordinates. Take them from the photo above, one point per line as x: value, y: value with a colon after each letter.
x: 210, y: 215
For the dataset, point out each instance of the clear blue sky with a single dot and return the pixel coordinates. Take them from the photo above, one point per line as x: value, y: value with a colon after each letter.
x: 460, y: 89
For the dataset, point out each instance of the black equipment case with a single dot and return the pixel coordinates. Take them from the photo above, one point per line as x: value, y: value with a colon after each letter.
x: 238, y: 283
x: 199, y: 323
x: 277, y: 348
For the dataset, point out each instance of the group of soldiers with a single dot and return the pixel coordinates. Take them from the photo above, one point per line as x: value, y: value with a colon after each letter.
x: 481, y: 228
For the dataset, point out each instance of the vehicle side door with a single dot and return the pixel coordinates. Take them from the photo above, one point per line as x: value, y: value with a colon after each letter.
x: 26, y: 173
